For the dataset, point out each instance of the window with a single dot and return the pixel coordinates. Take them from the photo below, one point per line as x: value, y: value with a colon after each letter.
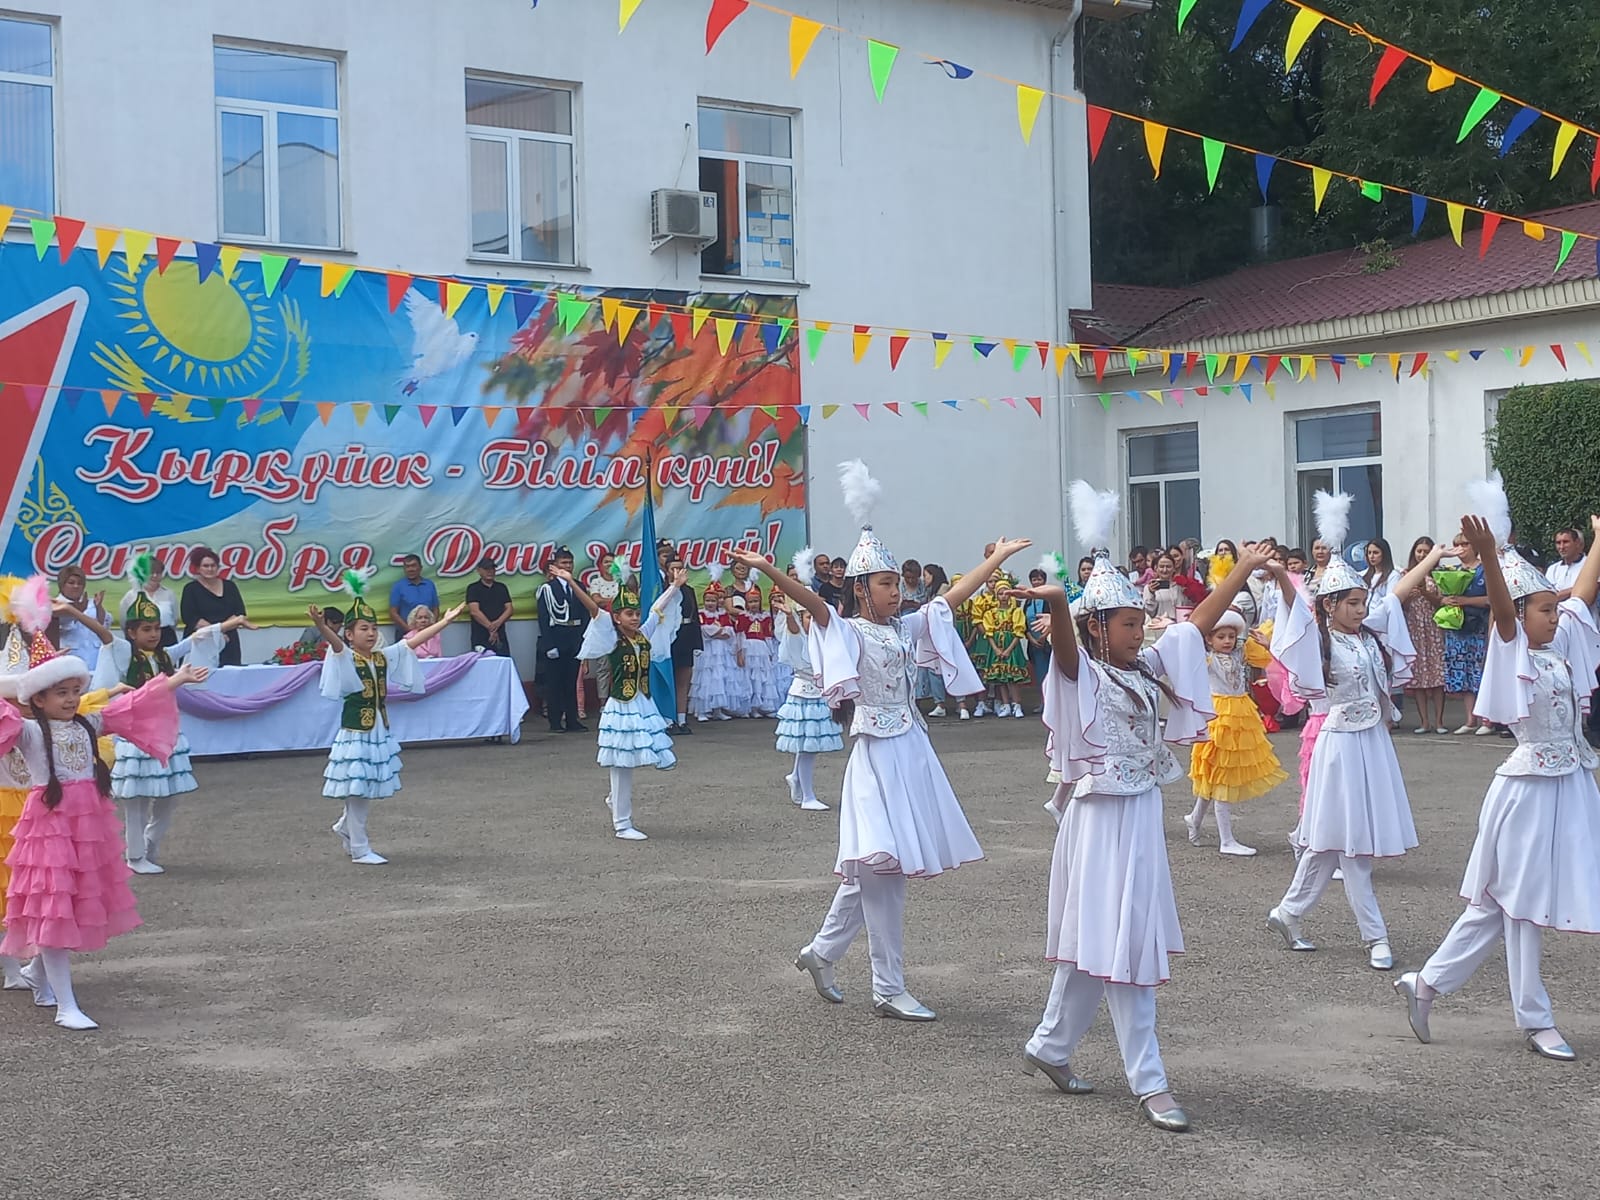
x: 747, y: 159
x: 520, y: 159
x: 1164, y: 487
x: 1340, y: 452
x: 278, y: 146
x: 27, y: 114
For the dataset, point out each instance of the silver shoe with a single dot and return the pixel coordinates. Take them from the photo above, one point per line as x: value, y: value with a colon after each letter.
x: 1288, y: 928
x: 1406, y: 985
x: 904, y: 1007
x: 1174, y: 1120
x: 821, y: 971
x: 1558, y: 1053
x: 1061, y: 1076
x: 1380, y: 957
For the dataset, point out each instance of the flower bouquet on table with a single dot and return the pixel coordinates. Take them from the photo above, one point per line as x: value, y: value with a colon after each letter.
x: 1452, y: 582
x: 299, y: 653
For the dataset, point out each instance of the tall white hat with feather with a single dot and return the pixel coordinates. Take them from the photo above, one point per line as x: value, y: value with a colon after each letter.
x: 861, y: 495
x: 1332, y: 511
x: 1093, y: 514
x: 1487, y: 499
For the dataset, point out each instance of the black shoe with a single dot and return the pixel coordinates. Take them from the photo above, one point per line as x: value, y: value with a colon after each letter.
x: 557, y: 729
x: 578, y: 728
x: 684, y: 728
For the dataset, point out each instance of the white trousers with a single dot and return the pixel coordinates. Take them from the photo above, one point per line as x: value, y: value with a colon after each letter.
x: 1471, y: 940
x: 621, y: 798
x: 879, y: 903
x: 146, y: 820
x: 1070, y: 1010
x: 1315, y: 872
x: 353, y: 825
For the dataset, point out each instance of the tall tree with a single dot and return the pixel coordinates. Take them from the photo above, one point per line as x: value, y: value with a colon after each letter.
x: 1172, y: 231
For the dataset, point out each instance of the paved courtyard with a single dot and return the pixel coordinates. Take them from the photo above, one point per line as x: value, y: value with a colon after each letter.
x: 521, y: 1006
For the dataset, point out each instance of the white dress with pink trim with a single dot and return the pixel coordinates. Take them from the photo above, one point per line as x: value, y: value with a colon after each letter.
x: 1537, y: 855
x: 897, y: 812
x: 1112, y: 913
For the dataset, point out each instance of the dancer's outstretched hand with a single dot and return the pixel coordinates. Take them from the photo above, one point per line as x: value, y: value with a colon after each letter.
x: 1006, y: 547
x: 756, y: 562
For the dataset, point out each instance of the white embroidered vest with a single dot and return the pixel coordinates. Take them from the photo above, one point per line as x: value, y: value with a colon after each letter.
x: 1550, y: 741
x: 1358, y: 684
x: 884, y: 708
x: 1136, y: 757
x: 1226, y: 672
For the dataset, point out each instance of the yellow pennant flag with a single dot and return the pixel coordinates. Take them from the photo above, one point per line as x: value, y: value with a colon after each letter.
x: 608, y: 310
x: 1534, y: 230
x: 1319, y: 186
x: 1240, y: 366
x: 697, y: 321
x: 229, y: 259
x: 725, y: 327
x: 1308, y: 366
x: 6, y: 213
x: 625, y: 13
x: 828, y: 410
x: 1564, y: 136
x: 941, y: 351
x: 1029, y: 100
x: 1158, y: 396
x: 1304, y: 25
x: 1453, y: 355
x: 1439, y: 78
x: 134, y: 244
x: 1583, y: 349
x: 334, y: 276
x: 105, y: 241
x: 861, y: 340
x: 1456, y: 213
x: 1394, y: 365
x: 802, y: 36
x: 627, y: 314
x: 1527, y: 356
x: 360, y: 411
x: 1062, y: 353
x: 496, y: 292
x: 458, y: 293
x: 1155, y: 142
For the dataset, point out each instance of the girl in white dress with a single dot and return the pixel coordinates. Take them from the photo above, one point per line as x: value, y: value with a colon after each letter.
x: 806, y: 727
x: 898, y: 817
x: 709, y: 696
x: 1112, y: 920
x: 1536, y: 863
x: 1347, y: 662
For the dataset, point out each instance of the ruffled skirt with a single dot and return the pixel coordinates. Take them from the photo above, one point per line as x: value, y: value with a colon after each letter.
x: 806, y: 726
x: 633, y: 733
x: 1356, y: 801
x: 1237, y: 763
x: 362, y: 764
x: 135, y: 773
x: 710, y: 686
x: 897, y: 812
x: 1112, y: 912
x: 69, y: 882
x: 1538, y: 851
x: 764, y: 694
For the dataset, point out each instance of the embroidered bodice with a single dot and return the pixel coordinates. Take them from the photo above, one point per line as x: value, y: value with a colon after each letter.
x: 71, y: 745
x: 1226, y: 673
x: 1358, y: 684
x: 1550, y: 739
x: 804, y: 684
x: 630, y: 667
x: 884, y: 708
x: 1136, y: 758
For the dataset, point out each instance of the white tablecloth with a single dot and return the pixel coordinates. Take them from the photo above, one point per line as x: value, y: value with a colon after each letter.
x: 488, y: 701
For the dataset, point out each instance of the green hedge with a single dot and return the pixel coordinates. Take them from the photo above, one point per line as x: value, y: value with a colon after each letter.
x: 1546, y: 443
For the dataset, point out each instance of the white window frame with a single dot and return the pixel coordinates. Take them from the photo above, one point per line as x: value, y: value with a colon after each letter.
x: 53, y: 82
x: 1130, y: 479
x: 1304, y: 522
x: 792, y: 163
x: 268, y: 112
x: 510, y: 137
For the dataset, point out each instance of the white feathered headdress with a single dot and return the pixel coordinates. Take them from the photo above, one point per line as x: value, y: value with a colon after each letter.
x: 1332, y: 513
x: 805, y: 566
x: 1093, y: 515
x: 861, y: 495
x: 1487, y: 499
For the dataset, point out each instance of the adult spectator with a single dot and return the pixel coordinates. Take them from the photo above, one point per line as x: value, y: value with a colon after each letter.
x: 1464, y: 648
x: 824, y: 585
x: 209, y: 599
x: 1138, y: 566
x: 686, y: 643
x: 1564, y: 573
x: 562, y: 618
x: 837, y: 573
x: 913, y: 590
x: 332, y: 621
x: 1381, y: 574
x: 163, y: 597
x: 81, y: 628
x: 1162, y: 595
x: 489, y: 602
x: 409, y: 592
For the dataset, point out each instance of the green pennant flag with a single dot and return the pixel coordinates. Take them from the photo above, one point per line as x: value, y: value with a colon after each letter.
x: 600, y: 415
x: 272, y: 266
x: 1105, y: 401
x: 814, y: 338
x: 921, y: 406
x: 1135, y: 357
x: 571, y: 311
x: 1568, y: 241
x: 390, y: 412
x: 1213, y: 150
x: 1481, y: 104
x: 1506, y: 350
x: 218, y: 407
x: 43, y: 230
x: 1211, y: 367
x: 1363, y: 361
x: 1019, y: 356
x: 770, y: 409
x: 880, y: 60
x: 785, y: 326
x: 1372, y: 191
x: 1185, y: 7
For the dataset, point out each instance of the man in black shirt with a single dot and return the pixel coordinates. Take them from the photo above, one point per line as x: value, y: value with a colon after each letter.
x: 686, y: 643
x: 823, y: 584
x: 489, y: 602
x: 562, y: 619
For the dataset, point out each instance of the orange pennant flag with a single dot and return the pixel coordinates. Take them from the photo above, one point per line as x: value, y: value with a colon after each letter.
x: 105, y: 241
x: 1155, y: 142
x: 1527, y: 356
x: 1029, y: 101
x: 109, y: 397
x: 1534, y: 230
x: 1439, y: 78
x: 325, y: 411
x: 490, y: 414
x: 802, y: 36
x: 861, y: 340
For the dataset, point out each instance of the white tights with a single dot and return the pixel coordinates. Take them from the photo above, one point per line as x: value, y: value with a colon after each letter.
x: 146, y: 820
x: 58, y: 970
x: 805, y: 772
x: 621, y: 798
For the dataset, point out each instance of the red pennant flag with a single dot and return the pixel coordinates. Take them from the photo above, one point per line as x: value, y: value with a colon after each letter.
x: 1491, y: 222
x: 1037, y: 404
x: 897, y: 347
x: 426, y: 412
x: 109, y: 397
x: 166, y: 250
x: 1200, y: 391
x: 893, y: 407
x: 68, y: 231
x: 1101, y: 357
x: 1560, y: 354
x: 1099, y: 121
x: 147, y: 402
x: 652, y: 314
x: 1190, y: 362
x: 1274, y: 361
x: 1393, y: 56
x: 1417, y: 363
x: 399, y: 285
x: 34, y: 395
x: 723, y: 13
x: 1044, y: 353
x: 682, y: 334
x: 1594, y: 169
x: 1338, y: 372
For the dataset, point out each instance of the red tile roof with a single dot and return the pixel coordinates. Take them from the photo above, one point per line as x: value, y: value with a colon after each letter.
x: 1326, y: 287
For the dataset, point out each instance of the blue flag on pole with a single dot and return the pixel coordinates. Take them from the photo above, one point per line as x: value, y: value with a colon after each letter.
x: 663, y: 686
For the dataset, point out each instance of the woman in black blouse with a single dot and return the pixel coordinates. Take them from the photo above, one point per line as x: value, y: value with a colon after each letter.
x: 209, y: 599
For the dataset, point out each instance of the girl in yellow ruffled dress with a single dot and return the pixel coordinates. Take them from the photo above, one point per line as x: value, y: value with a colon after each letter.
x: 1002, y: 632
x: 1237, y: 762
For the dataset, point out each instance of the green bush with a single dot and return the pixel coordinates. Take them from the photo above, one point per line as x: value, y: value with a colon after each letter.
x: 1546, y: 443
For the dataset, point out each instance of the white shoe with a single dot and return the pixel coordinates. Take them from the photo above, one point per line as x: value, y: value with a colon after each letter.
x: 1338, y: 875
x: 74, y: 1018
x: 1463, y: 729
x: 982, y: 710
x: 1421, y: 729
x: 338, y: 829
x: 965, y: 715
x: 1482, y: 731
x: 937, y: 711
x: 143, y: 866
x: 630, y: 834
x: 794, y: 788
x: 14, y: 982
x: 1288, y: 928
x: 814, y: 805
x: 1193, y: 827
x: 1381, y: 957
x: 1239, y: 849
x: 1016, y: 711
x: 44, y: 996
x: 369, y: 859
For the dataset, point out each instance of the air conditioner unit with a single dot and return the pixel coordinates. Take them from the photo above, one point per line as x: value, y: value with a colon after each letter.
x: 683, y: 216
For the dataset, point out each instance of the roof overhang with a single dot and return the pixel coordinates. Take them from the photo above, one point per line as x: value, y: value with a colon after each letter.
x: 1102, y: 10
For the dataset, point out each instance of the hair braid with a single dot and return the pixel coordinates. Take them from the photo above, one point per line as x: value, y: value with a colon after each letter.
x: 52, y: 785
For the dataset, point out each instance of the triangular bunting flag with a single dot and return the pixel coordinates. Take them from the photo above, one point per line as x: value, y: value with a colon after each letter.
x: 699, y: 317
x: 608, y: 311
x: 456, y: 413
x: 135, y: 245
x: 43, y: 231
x: 1534, y: 230
x: 109, y: 397
x: 334, y: 278
x: 814, y: 336
x: 1099, y: 120
x: 802, y: 36
x: 230, y: 260
x: 1583, y: 349
x: 166, y: 251
x: 397, y: 283
x: 205, y: 258
x: 1394, y: 365
x: 1393, y: 56
x: 1185, y: 7
x: 1300, y: 30
x: 1274, y: 361
x: 1044, y: 353
x: 1564, y: 136
x: 105, y: 241
x: 427, y: 413
x: 451, y: 300
x: 725, y: 327
x: 491, y: 413
x: 1527, y: 356
x: 1319, y: 186
x: 33, y: 396
x: 1037, y: 404
x: 494, y: 292
x: 1453, y: 355
x: 1372, y: 191
x: 252, y: 409
x: 625, y: 13
x: 723, y: 13
x: 571, y: 310
x: 1569, y: 239
x: 68, y: 231
x: 861, y: 340
x: 1419, y: 209
x: 1213, y: 151
x: 955, y: 404
x: 1516, y: 127
x: 828, y: 410
x: 1247, y: 388
x: 1019, y: 354
x: 893, y: 407
x: 272, y: 266
x: 1264, y: 165
x: 803, y: 411
x: 981, y: 348
x: 526, y: 305
x: 70, y: 397
x: 361, y: 411
x: 390, y: 412
x: 1491, y: 222
x: 897, y: 347
x: 1439, y: 78
x: 290, y: 410
x: 1029, y: 100
x: 941, y: 349
x: 702, y: 414
x: 669, y: 416
x: 1561, y: 355
x: 1457, y: 213
x: 627, y: 314
x: 1100, y: 357
x: 1481, y: 104
x: 1061, y: 354
x: 1418, y: 361
x: 921, y: 406
x: 1155, y: 142
x: 1247, y: 17
x: 880, y: 62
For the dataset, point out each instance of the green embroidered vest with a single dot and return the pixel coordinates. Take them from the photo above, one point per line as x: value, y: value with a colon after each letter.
x: 142, y: 668
x: 363, y: 709
x: 630, y: 668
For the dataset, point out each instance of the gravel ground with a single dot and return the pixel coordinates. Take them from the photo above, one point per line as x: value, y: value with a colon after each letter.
x: 521, y: 1006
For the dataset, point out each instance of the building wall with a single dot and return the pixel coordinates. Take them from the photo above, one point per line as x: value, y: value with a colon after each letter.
x: 1433, y: 428
x: 924, y: 211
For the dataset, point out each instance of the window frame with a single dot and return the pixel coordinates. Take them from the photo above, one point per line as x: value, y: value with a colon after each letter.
x: 1305, y: 522
x: 267, y: 111
x: 792, y: 116
x: 510, y: 137
x: 53, y: 82
x: 1162, y: 479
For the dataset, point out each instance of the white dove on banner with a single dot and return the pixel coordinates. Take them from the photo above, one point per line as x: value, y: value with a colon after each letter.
x: 437, y: 343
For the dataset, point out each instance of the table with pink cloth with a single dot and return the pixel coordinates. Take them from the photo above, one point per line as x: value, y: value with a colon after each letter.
x: 261, y: 709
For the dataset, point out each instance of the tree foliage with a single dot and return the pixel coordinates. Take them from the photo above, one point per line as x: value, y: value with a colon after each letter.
x: 1170, y: 231
x: 1546, y: 443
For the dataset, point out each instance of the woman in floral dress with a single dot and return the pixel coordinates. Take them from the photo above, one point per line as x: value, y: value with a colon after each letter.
x: 1427, y: 672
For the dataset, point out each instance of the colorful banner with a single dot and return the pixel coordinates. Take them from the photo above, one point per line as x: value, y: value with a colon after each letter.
x: 305, y: 427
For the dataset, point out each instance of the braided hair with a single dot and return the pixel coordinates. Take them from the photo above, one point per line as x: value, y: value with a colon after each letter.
x: 850, y: 607
x: 1097, y: 651
x: 52, y: 786
x: 1325, y: 634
